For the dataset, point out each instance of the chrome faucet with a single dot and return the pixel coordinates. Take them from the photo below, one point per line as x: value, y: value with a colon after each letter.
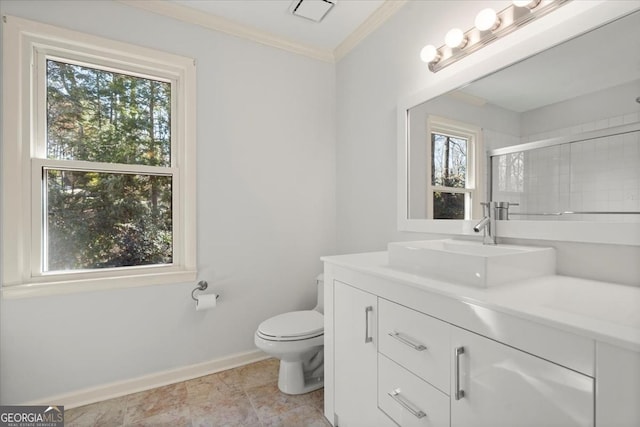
x: 488, y: 223
x: 492, y: 211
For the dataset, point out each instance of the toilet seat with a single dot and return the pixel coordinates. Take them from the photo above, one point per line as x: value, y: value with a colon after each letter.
x: 292, y: 326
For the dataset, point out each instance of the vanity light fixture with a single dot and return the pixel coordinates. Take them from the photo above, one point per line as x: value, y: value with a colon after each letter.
x: 526, y: 3
x: 429, y: 53
x: 455, y: 38
x: 487, y: 19
x: 489, y: 26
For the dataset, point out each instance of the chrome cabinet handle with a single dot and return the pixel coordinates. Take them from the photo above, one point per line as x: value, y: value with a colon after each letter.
x: 459, y: 393
x: 395, y: 395
x: 367, y: 338
x: 406, y: 341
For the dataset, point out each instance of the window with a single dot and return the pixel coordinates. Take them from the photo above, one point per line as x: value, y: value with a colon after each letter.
x: 98, y: 174
x: 452, y: 185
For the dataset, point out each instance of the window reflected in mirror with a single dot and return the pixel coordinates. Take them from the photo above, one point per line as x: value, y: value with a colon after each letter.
x: 448, y: 172
x: 445, y: 172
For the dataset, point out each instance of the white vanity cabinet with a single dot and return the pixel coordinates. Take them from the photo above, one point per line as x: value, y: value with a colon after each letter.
x: 427, y: 354
x: 355, y: 358
x: 495, y: 385
x: 432, y: 373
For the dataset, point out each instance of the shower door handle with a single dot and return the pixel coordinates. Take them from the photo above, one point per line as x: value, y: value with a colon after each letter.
x: 367, y: 337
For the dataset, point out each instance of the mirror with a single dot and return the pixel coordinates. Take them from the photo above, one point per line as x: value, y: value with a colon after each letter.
x: 553, y: 125
x: 586, y: 176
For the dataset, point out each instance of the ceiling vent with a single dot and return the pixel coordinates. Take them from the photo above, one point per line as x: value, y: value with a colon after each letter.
x: 314, y: 10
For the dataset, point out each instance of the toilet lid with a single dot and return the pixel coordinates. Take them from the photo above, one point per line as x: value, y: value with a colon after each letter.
x: 296, y: 324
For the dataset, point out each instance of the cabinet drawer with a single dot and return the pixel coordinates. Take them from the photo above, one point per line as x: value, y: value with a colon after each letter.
x: 416, y: 341
x: 408, y: 400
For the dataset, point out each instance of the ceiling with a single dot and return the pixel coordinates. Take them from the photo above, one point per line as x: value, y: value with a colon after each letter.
x: 275, y: 17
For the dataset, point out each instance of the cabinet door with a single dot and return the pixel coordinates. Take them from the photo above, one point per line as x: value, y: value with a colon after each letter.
x: 618, y: 394
x: 495, y: 385
x: 355, y: 353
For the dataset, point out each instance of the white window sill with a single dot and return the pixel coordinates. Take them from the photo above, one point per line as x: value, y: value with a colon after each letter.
x: 41, y: 289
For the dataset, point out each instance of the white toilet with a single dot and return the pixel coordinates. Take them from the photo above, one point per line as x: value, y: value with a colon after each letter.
x: 297, y: 339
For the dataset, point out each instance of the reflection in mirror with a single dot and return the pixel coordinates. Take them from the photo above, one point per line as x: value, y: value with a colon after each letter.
x: 592, y: 176
x: 444, y: 168
x: 589, y: 83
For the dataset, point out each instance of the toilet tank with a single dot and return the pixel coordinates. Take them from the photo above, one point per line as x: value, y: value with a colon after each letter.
x: 320, y: 284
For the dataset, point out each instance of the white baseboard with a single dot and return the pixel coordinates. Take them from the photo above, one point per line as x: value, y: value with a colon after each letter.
x: 146, y: 382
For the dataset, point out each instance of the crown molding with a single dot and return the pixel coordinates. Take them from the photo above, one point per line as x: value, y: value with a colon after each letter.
x: 375, y: 20
x: 217, y: 23
x: 226, y: 26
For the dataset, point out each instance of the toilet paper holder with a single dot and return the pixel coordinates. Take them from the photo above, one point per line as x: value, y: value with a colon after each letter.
x: 201, y: 286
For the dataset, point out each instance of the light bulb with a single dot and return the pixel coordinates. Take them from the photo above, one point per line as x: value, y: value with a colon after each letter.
x: 487, y: 19
x: 455, y: 38
x: 429, y: 53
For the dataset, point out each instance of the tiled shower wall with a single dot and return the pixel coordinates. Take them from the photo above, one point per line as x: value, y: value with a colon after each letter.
x: 596, y: 175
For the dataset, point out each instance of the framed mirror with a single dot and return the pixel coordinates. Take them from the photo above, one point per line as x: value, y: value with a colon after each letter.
x: 566, y: 95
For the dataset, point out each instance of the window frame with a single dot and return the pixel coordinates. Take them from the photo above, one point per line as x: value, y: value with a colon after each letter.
x: 473, y: 182
x: 26, y: 46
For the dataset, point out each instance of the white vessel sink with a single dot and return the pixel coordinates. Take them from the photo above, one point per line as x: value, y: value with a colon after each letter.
x: 472, y: 263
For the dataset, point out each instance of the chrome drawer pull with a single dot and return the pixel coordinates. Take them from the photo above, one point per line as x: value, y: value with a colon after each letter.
x: 459, y: 393
x: 406, y: 341
x: 367, y: 337
x: 395, y: 395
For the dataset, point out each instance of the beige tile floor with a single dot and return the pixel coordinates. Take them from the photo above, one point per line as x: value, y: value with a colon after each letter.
x: 244, y: 396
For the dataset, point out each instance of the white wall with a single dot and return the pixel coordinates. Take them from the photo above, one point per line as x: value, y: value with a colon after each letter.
x: 370, y: 80
x: 266, y: 213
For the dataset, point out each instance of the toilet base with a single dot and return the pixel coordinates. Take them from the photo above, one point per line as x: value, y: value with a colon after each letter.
x: 291, y: 379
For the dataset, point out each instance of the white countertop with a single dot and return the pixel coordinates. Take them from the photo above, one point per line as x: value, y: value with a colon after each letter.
x: 605, y: 312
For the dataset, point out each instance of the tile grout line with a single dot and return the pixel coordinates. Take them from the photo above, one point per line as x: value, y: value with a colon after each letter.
x: 253, y: 408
